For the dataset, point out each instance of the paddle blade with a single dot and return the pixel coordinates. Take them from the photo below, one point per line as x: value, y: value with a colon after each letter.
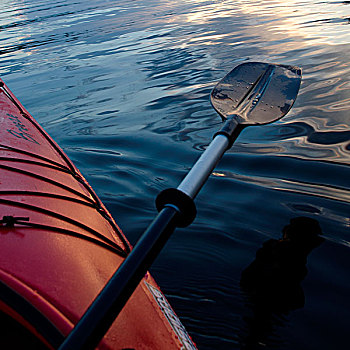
x: 257, y: 93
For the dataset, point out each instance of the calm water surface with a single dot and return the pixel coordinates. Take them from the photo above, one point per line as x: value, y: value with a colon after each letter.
x: 123, y: 87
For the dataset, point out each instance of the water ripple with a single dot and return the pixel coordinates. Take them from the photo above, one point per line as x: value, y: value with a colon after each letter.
x: 123, y: 87
x: 309, y: 189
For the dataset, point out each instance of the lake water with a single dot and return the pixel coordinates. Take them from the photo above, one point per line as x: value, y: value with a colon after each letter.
x: 123, y: 87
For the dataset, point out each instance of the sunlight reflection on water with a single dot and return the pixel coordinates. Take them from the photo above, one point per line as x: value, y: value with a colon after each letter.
x: 123, y: 87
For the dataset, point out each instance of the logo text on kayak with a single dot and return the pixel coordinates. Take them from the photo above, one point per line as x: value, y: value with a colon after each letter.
x: 22, y: 131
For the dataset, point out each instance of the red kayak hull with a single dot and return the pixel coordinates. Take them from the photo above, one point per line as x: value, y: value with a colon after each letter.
x: 60, y: 245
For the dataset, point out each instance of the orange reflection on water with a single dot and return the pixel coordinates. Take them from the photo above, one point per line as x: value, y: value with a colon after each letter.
x: 322, y: 22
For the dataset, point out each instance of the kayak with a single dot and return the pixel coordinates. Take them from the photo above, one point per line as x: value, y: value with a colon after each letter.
x: 60, y: 246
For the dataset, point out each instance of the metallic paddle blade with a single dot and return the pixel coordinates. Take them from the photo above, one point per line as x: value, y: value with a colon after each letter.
x: 258, y: 93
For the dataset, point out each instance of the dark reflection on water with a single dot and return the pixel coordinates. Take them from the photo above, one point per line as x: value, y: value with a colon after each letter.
x: 123, y: 87
x: 272, y: 282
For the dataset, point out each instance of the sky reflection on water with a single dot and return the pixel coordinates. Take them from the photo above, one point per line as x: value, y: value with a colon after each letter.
x: 123, y: 87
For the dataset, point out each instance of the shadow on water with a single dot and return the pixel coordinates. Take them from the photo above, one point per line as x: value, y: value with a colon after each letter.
x: 271, y: 283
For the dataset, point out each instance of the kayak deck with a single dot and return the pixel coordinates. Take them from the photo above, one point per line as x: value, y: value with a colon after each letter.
x: 60, y: 245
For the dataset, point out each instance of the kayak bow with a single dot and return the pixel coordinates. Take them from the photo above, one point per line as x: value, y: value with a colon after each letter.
x: 60, y: 246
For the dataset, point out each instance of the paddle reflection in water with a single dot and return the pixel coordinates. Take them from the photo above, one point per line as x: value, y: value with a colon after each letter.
x: 271, y: 282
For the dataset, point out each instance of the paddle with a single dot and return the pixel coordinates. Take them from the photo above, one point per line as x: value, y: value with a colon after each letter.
x: 251, y: 94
